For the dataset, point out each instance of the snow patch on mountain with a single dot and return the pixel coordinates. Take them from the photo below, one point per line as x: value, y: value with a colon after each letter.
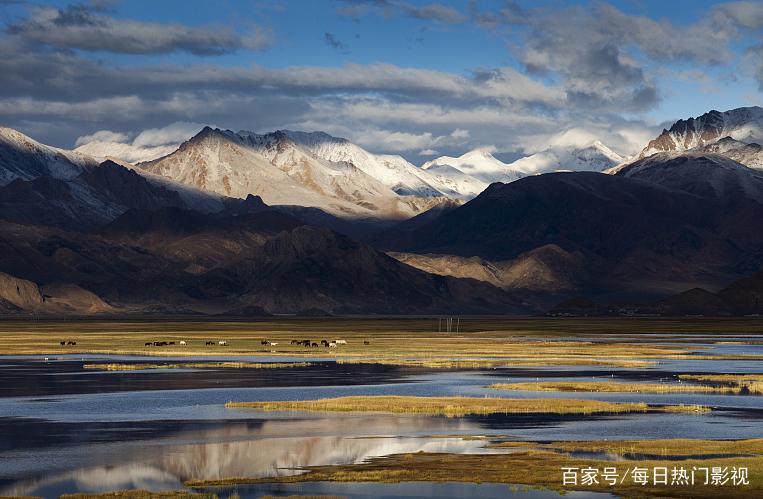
x: 744, y: 124
x: 25, y: 158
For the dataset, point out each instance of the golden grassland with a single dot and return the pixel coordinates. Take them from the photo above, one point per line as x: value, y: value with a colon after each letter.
x: 406, y: 342
x: 197, y: 365
x: 723, y: 378
x: 511, y: 362
x: 613, y: 386
x: 740, y: 383
x: 540, y: 465
x: 388, y: 338
x: 460, y: 406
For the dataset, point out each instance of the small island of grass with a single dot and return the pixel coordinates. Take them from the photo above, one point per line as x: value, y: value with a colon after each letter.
x: 460, y: 406
x: 613, y: 386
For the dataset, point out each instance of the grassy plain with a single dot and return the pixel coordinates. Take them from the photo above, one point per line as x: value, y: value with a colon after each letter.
x: 480, y: 342
x: 459, y: 406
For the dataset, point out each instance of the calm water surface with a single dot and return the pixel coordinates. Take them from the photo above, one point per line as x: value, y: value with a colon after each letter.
x: 66, y: 429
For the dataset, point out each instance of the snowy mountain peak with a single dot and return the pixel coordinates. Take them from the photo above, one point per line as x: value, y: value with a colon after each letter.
x: 744, y: 124
x: 25, y: 158
x: 478, y: 163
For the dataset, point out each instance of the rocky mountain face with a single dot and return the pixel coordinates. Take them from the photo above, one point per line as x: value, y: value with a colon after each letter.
x: 547, y: 270
x: 179, y: 261
x: 649, y: 230
x: 89, y: 200
x: 294, y: 168
x: 743, y: 124
x: 26, y: 159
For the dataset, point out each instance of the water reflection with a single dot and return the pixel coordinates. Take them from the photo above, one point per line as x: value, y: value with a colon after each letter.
x: 276, y: 448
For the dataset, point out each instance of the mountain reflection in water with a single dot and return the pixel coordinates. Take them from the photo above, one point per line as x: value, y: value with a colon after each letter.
x: 277, y: 447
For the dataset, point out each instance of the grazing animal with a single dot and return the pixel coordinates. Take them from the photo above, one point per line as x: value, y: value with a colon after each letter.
x: 172, y: 342
x: 340, y: 342
x: 210, y: 343
x: 315, y: 345
x: 264, y: 342
x: 222, y: 343
x: 62, y: 343
x: 366, y: 342
x: 295, y: 342
x: 182, y: 342
x: 148, y: 343
x: 324, y: 343
x: 332, y: 345
x: 306, y: 343
x: 71, y: 342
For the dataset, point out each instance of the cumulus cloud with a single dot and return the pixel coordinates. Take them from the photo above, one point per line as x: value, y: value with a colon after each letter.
x: 588, y: 69
x: 83, y: 27
x: 601, y: 55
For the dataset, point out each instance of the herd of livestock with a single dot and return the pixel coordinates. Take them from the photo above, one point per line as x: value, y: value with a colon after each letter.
x: 222, y: 343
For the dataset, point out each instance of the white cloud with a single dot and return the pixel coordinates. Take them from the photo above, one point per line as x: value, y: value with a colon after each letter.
x: 171, y: 134
x: 101, y: 136
x: 147, y: 145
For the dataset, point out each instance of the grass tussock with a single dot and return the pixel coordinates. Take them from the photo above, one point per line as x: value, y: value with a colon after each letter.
x: 611, y: 386
x: 197, y: 365
x: 458, y: 406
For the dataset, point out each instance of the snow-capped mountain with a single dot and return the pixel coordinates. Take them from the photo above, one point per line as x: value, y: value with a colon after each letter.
x: 744, y: 124
x: 479, y: 164
x: 454, y: 182
x: 24, y: 158
x: 709, y: 175
x: 482, y: 166
x: 592, y: 157
x: 393, y: 171
x: 750, y: 155
x: 295, y: 168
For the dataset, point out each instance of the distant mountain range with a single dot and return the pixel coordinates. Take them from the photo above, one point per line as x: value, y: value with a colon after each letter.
x: 295, y: 222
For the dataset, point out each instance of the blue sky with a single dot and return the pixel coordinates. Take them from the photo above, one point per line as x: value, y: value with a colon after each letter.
x: 401, y: 76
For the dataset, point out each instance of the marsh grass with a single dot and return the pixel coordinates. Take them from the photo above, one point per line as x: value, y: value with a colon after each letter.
x: 459, y: 406
x: 502, y: 363
x: 611, y: 386
x: 197, y: 365
x: 741, y: 383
